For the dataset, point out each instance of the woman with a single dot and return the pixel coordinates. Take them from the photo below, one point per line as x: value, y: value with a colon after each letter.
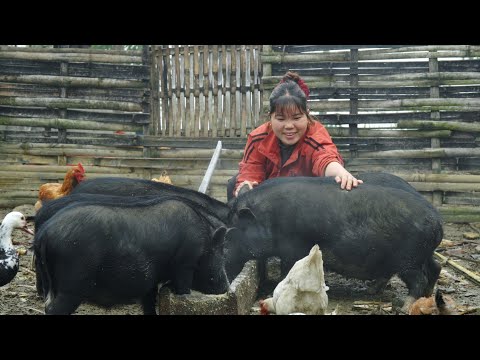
x: 291, y: 143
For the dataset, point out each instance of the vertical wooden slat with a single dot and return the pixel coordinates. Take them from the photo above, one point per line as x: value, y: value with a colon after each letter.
x: 181, y: 91
x: 248, y: 92
x: 146, y: 107
x: 256, y: 83
x: 353, y: 100
x: 206, y: 115
x: 170, y: 120
x: 62, y: 113
x: 240, y: 124
x: 155, y: 91
x: 220, y: 97
x: 233, y: 80
x: 437, y: 196
x: 163, y: 93
x: 188, y: 93
x: 214, y: 85
x: 201, y: 97
x: 174, y: 98
x: 196, y: 72
x: 211, y: 103
x: 228, y: 93
x: 266, y: 71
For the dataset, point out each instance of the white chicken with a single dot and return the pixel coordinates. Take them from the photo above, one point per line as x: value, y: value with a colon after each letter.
x: 8, y: 254
x: 302, y: 291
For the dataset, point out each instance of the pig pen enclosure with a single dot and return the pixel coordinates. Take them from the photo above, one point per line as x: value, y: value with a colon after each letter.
x: 409, y: 110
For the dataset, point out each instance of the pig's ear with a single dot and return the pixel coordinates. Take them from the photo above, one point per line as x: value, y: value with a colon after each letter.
x: 245, y: 215
x: 218, y: 237
x: 233, y: 237
x: 231, y: 233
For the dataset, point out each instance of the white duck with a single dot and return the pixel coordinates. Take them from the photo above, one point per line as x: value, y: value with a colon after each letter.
x: 8, y: 254
x: 302, y: 291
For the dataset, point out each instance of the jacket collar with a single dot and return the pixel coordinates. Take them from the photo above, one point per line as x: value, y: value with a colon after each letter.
x: 269, y: 148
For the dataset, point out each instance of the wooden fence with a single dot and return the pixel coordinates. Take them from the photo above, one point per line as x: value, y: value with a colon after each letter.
x: 409, y: 110
x: 205, y: 91
x: 64, y: 93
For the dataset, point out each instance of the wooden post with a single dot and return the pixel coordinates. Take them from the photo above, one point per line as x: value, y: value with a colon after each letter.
x: 188, y: 125
x: 154, y: 91
x: 147, y: 55
x: 353, y: 100
x: 435, y: 142
x: 228, y: 94
x: 240, y: 124
x: 266, y: 71
x: 256, y: 88
x: 62, y: 113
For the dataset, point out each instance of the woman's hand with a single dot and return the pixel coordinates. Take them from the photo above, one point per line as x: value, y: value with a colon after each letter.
x: 250, y: 185
x: 342, y: 176
x: 347, y: 181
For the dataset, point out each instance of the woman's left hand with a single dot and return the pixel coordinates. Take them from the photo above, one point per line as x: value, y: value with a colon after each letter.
x: 347, y: 181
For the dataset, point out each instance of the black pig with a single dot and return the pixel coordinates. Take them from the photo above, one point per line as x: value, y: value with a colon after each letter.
x: 119, y: 186
x: 115, y: 254
x: 371, y: 232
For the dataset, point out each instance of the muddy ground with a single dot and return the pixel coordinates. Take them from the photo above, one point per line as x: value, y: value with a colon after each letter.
x: 346, y: 296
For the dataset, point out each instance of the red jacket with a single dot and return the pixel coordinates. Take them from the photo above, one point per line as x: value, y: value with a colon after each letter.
x: 262, y: 160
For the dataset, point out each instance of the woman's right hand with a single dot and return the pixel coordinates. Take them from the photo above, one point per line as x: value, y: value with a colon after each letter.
x: 250, y: 185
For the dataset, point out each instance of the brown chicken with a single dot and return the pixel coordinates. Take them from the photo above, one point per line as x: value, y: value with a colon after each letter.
x: 434, y: 305
x: 164, y: 178
x: 51, y: 191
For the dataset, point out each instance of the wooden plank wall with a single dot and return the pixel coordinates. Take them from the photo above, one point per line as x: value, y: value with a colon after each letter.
x: 206, y: 90
x: 65, y: 105
x: 409, y: 110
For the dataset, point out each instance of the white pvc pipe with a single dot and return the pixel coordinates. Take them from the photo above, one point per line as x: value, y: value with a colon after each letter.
x: 211, y: 168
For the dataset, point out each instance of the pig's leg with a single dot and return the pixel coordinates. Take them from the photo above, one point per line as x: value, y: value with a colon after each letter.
x: 182, y: 281
x: 61, y: 304
x: 149, y: 301
x: 432, y: 271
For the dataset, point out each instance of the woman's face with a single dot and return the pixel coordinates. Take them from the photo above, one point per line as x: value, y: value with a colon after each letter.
x: 290, y: 126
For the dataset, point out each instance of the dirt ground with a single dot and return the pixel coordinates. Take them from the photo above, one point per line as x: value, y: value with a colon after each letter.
x: 346, y: 296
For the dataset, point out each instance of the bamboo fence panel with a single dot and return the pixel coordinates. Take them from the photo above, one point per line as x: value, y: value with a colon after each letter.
x: 226, y: 84
x: 53, y: 96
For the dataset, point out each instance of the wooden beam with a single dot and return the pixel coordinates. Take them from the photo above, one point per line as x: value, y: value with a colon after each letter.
x: 71, y: 81
x: 66, y: 124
